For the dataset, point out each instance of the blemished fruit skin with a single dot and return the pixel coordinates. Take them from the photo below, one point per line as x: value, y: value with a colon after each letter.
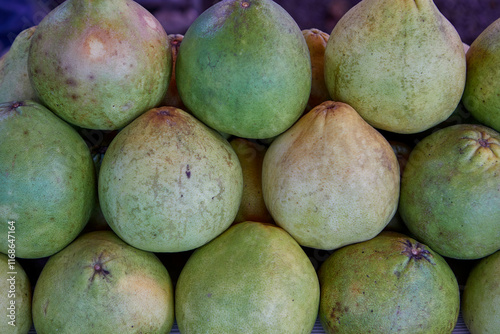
x: 331, y: 179
x: 389, y: 284
x: 253, y: 278
x: 15, y: 83
x: 15, y: 303
x: 450, y: 198
x: 99, y: 64
x: 400, y: 64
x: 244, y: 69
x: 100, y: 284
x: 481, y: 96
x: 481, y: 296
x: 168, y: 183
x: 48, y: 180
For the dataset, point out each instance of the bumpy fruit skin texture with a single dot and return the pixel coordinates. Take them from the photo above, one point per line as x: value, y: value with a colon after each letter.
x: 101, y: 284
x: 481, y: 96
x: 15, y: 83
x: 18, y: 291
x: 400, y: 64
x: 100, y: 63
x: 243, y: 68
x: 481, y: 296
x: 389, y: 284
x: 253, y: 278
x: 450, y: 196
x: 331, y: 179
x: 47, y: 177
x: 168, y: 183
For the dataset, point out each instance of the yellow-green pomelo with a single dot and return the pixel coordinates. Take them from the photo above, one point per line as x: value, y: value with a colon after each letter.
x: 481, y: 96
x: 481, y: 296
x: 47, y: 178
x: 168, y: 183
x: 253, y: 278
x: 243, y: 68
x: 389, y: 284
x: 331, y: 179
x: 99, y: 64
x: 15, y: 301
x: 400, y: 64
x: 100, y: 284
x: 15, y: 83
x: 450, y: 191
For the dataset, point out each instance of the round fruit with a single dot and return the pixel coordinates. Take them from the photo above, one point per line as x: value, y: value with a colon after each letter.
x: 331, y: 179
x: 481, y: 296
x: 100, y: 284
x: 47, y: 177
x: 243, y: 68
x: 400, y: 64
x: 389, y: 284
x: 481, y: 96
x: 253, y: 278
x: 168, y: 183
x: 450, y: 196
x: 100, y: 63
x: 15, y: 302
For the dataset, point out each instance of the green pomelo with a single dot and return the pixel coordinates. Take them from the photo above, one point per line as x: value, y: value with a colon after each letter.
x: 400, y: 64
x: 47, y: 177
x: 481, y: 296
x: 168, y: 183
x: 450, y: 191
x: 389, y: 284
x: 15, y: 302
x: 100, y: 63
x: 100, y: 284
x: 481, y: 96
x: 331, y: 179
x: 15, y: 83
x: 243, y: 68
x: 253, y: 278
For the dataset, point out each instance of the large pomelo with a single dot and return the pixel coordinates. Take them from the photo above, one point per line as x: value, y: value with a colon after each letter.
x: 389, y: 284
x: 331, y: 179
x: 100, y: 63
x: 168, y: 183
x: 253, y: 278
x: 243, y: 68
x: 450, y: 191
x: 47, y: 180
x: 100, y: 284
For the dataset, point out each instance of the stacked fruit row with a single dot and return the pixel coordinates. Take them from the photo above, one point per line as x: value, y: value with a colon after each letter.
x: 244, y: 145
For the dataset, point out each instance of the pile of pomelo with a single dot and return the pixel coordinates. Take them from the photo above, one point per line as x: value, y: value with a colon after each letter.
x: 249, y: 176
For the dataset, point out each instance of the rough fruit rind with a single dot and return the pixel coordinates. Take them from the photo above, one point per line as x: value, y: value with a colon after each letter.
x: 481, y: 296
x: 168, y: 183
x: 331, y: 179
x: 47, y: 177
x: 450, y: 197
x: 100, y: 64
x: 389, y: 284
x: 243, y: 68
x: 100, y: 282
x: 253, y: 278
x: 400, y: 64
x: 480, y: 96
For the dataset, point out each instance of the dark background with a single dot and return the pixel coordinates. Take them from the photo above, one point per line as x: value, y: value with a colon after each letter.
x: 470, y: 17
